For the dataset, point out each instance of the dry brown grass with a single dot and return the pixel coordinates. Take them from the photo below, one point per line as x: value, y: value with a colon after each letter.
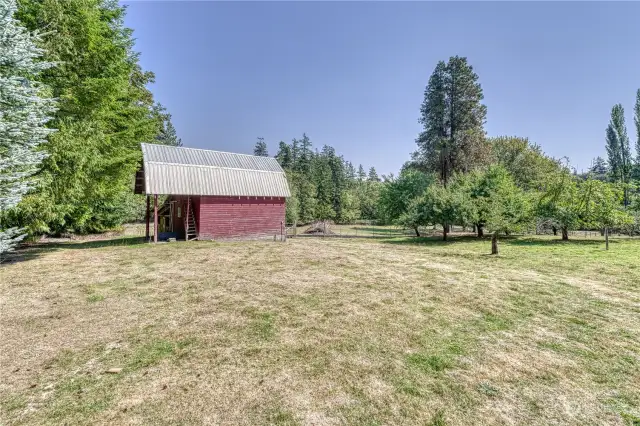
x: 322, y: 332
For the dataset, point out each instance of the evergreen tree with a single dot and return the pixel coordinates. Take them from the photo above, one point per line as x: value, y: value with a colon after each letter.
x: 361, y: 173
x: 305, y: 154
x: 350, y: 171
x: 453, y: 117
x: 167, y: 134
x: 261, y: 148
x: 599, y: 168
x: 373, y: 175
x: 284, y: 155
x: 295, y: 153
x: 171, y: 136
x: 324, y: 187
x: 25, y: 110
x: 105, y: 112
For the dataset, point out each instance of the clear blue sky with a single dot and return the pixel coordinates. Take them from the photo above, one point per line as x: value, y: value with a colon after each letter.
x: 352, y: 75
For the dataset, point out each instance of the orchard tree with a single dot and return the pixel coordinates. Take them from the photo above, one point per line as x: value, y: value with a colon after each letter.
x: 261, y: 148
x: 453, y: 117
x: 507, y: 209
x: 25, y: 109
x: 561, y: 204
x: 481, y: 185
x: 397, y: 194
x: 525, y: 161
x: 440, y: 205
x: 603, y: 206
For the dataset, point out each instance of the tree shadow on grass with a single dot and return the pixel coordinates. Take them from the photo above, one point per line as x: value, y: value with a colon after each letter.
x: 434, y: 240
x: 514, y: 240
x: 35, y: 250
x: 523, y: 241
x: 79, y: 245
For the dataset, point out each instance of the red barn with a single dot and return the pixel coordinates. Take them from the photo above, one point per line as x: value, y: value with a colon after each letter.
x: 211, y: 195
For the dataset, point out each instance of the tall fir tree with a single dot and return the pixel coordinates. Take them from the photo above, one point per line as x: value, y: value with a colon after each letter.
x: 373, y: 175
x: 261, y: 148
x: 167, y: 134
x: 25, y: 109
x: 350, y: 171
x: 599, y: 168
x: 453, y: 118
x: 171, y: 136
x: 284, y: 155
x: 362, y: 175
x: 305, y: 154
x: 105, y: 112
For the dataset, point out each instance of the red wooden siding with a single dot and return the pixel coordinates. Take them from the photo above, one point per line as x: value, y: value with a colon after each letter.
x: 233, y: 217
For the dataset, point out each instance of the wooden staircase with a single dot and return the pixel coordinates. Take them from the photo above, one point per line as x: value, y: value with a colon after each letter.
x: 191, y: 231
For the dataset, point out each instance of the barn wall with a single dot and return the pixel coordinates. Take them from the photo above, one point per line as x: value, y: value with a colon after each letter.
x: 231, y: 217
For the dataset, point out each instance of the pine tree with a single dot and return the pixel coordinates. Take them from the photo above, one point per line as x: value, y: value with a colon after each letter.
x: 305, y: 155
x: 25, y: 110
x: 373, y: 175
x: 171, y: 136
x: 167, y: 134
x: 284, y: 155
x: 261, y: 148
x: 599, y: 167
x: 453, y: 117
x: 350, y: 171
x: 106, y: 110
x: 362, y: 175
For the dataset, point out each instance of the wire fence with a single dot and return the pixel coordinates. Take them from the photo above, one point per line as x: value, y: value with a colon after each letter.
x: 370, y: 229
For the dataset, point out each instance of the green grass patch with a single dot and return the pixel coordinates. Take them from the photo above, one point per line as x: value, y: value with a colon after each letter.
x: 429, y: 363
x: 95, y: 297
x: 262, y: 325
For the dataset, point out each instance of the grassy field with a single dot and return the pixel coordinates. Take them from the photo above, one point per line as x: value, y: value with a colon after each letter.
x: 322, y: 332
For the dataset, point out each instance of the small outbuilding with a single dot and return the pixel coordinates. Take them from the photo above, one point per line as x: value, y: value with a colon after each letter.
x: 210, y: 195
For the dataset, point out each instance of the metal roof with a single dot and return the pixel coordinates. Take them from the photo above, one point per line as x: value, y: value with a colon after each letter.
x: 187, y: 171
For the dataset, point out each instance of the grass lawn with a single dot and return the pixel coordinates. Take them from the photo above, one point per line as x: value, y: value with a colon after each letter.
x: 322, y: 332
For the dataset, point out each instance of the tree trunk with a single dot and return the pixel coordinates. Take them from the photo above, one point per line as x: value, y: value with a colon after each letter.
x: 480, y: 231
x: 555, y: 230
x: 445, y: 231
x: 494, y: 243
x: 565, y: 234
x: 417, y: 231
x: 602, y: 232
x: 606, y: 238
x: 474, y: 229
